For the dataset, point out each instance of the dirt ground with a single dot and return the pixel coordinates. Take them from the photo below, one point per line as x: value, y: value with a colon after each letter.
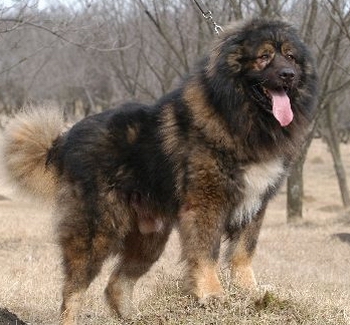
x: 311, y: 259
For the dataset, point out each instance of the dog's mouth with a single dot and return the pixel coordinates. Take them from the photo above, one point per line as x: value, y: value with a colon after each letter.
x: 281, y: 106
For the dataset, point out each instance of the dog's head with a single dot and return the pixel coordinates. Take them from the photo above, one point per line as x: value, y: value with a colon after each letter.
x: 273, y: 65
x: 269, y: 59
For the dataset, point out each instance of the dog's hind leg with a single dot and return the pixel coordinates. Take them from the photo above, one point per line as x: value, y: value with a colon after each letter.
x: 82, y: 261
x: 240, y: 251
x: 139, y: 253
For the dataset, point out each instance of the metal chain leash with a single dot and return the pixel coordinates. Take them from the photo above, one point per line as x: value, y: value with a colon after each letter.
x: 207, y: 14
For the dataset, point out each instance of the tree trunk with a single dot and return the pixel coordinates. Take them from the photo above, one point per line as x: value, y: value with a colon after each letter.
x: 333, y: 145
x: 295, y: 184
x: 295, y: 192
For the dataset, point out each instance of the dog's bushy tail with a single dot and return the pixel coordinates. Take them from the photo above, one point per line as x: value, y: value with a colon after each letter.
x: 26, y: 142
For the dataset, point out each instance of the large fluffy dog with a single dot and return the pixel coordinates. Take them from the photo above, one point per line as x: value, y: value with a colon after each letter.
x: 207, y: 157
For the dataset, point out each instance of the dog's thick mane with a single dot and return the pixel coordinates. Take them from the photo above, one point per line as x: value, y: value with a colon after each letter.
x: 229, y: 93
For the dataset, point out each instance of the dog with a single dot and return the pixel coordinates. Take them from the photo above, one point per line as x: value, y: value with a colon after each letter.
x: 206, y: 158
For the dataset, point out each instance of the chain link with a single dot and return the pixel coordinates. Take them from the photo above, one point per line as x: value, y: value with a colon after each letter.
x: 209, y: 17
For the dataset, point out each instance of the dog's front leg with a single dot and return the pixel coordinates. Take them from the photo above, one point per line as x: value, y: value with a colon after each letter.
x: 241, y: 249
x: 200, y: 232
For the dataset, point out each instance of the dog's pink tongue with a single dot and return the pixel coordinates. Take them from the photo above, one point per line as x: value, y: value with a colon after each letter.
x: 281, y: 107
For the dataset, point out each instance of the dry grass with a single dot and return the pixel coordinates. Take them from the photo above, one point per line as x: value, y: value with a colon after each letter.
x: 169, y: 307
x: 304, y: 268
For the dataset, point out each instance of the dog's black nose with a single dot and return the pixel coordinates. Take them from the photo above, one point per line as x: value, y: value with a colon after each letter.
x: 287, y: 74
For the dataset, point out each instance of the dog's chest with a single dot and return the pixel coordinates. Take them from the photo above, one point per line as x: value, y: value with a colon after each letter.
x: 258, y: 181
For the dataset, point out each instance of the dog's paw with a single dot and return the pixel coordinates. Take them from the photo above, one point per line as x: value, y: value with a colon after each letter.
x: 244, y: 278
x: 119, y: 294
x: 211, y: 297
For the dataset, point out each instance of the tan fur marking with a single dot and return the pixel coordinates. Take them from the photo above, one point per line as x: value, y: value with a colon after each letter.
x: 243, y: 251
x: 119, y: 294
x: 287, y: 49
x: 73, y: 303
x: 205, y: 117
x: 264, y: 56
x: 203, y: 282
x: 169, y: 130
x: 241, y: 270
x: 243, y: 276
x: 131, y: 133
x: 172, y: 143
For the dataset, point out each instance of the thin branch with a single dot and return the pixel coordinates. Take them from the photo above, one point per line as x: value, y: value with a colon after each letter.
x: 340, y: 21
x: 58, y: 35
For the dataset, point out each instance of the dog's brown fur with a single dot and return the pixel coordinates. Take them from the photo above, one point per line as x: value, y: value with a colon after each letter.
x: 207, y: 157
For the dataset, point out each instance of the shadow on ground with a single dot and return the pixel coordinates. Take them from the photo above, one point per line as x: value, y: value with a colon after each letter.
x: 8, y: 318
x: 343, y: 236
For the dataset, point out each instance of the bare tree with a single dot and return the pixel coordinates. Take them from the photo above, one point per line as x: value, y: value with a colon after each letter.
x: 295, y: 184
x: 91, y: 55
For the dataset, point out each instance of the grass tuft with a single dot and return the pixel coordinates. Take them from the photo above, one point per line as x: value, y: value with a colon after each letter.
x: 169, y: 306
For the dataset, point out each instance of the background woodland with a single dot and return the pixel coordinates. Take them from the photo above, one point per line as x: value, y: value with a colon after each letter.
x: 91, y: 55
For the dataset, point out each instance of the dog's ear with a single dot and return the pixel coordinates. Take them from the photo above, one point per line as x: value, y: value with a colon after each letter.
x: 234, y: 57
x: 225, y: 58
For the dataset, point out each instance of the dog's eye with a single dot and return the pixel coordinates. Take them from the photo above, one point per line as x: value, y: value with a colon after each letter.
x: 290, y: 57
x: 264, y: 57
